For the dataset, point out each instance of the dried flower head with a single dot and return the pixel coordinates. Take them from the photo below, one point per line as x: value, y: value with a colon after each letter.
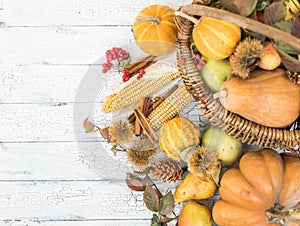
x: 121, y: 131
x: 140, y: 158
x: 143, y: 143
x: 245, y: 56
x: 204, y: 162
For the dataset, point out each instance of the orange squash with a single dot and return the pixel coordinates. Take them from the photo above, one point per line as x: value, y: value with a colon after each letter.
x: 215, y: 39
x: 268, y: 98
x: 176, y: 135
x: 155, y: 30
x: 264, y: 191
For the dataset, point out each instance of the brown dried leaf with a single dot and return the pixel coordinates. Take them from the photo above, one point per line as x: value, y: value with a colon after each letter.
x: 151, y: 198
x: 242, y: 7
x: 135, y: 183
x: 166, y: 204
x: 274, y: 13
x: 291, y: 63
x: 295, y: 29
x: 89, y: 126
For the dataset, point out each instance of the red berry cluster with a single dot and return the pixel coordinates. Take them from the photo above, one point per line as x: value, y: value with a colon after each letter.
x: 115, y: 54
x: 141, y: 74
x: 126, y: 76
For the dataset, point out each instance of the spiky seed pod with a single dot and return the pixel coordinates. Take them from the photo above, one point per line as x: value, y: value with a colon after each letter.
x: 139, y: 158
x: 245, y: 56
x: 203, y: 162
x: 167, y: 170
x: 121, y: 131
x: 143, y: 143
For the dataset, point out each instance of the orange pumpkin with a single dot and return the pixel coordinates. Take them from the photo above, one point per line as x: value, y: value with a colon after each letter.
x: 155, y: 30
x: 264, y: 191
x: 216, y: 39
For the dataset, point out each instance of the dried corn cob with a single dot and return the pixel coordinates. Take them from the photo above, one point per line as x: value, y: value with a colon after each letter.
x: 169, y: 108
x: 136, y: 90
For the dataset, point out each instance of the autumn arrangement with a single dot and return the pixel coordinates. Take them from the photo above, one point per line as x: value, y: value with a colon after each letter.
x: 239, y: 61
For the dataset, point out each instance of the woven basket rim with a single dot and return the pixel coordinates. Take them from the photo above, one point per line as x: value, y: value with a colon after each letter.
x: 245, y: 130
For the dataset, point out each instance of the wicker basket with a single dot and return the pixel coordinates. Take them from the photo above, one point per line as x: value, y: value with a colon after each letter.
x: 241, y: 128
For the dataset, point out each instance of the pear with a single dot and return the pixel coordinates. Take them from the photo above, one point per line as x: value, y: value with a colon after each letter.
x: 195, y: 214
x: 215, y: 73
x: 227, y: 147
x: 195, y: 188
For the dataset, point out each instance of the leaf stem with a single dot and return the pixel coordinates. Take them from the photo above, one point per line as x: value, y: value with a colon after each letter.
x: 241, y: 21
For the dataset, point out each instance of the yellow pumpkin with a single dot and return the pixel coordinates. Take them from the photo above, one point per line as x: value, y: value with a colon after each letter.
x: 216, y: 39
x: 176, y: 135
x: 268, y: 98
x: 155, y: 30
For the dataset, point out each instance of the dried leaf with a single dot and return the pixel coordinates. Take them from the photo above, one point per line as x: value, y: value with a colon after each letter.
x: 89, y: 126
x: 274, y: 13
x: 291, y: 63
x: 151, y: 198
x: 166, y: 204
x: 285, y: 26
x: 242, y: 7
x: 216, y: 174
x: 135, y: 183
x: 295, y: 29
x: 147, y: 181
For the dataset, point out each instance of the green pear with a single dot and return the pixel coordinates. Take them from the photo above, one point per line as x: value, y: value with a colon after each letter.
x: 215, y: 73
x: 227, y: 147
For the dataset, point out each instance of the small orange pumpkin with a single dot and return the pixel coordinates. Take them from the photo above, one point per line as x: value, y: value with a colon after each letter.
x: 216, y: 39
x: 155, y: 30
x: 264, y: 191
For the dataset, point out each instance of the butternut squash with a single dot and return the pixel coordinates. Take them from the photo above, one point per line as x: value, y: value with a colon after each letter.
x: 268, y: 98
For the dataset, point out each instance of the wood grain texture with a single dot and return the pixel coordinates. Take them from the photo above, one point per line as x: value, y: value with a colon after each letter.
x: 74, y: 200
x: 50, y: 169
x: 76, y: 12
x: 77, y: 223
x: 59, y: 45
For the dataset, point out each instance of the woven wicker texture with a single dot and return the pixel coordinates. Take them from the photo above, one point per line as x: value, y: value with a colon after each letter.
x: 245, y: 130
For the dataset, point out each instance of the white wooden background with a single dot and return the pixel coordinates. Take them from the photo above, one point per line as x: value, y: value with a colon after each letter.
x: 46, y: 48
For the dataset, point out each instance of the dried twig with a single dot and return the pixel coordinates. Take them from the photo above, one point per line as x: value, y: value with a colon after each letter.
x: 241, y: 21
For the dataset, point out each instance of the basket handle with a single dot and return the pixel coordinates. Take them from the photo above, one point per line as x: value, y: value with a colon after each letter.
x: 241, y: 21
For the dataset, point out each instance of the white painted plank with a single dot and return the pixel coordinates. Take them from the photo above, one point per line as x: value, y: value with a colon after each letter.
x: 81, y: 200
x: 46, y: 83
x: 78, y: 223
x: 77, y: 12
x: 46, y: 122
x: 59, y: 45
x: 62, y: 161
x: 57, y: 122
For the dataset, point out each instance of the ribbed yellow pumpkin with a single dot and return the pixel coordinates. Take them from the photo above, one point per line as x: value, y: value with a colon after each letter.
x: 155, y: 30
x: 216, y: 39
x: 176, y: 135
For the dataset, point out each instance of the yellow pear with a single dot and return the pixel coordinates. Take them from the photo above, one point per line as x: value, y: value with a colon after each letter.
x: 195, y: 188
x: 195, y: 214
